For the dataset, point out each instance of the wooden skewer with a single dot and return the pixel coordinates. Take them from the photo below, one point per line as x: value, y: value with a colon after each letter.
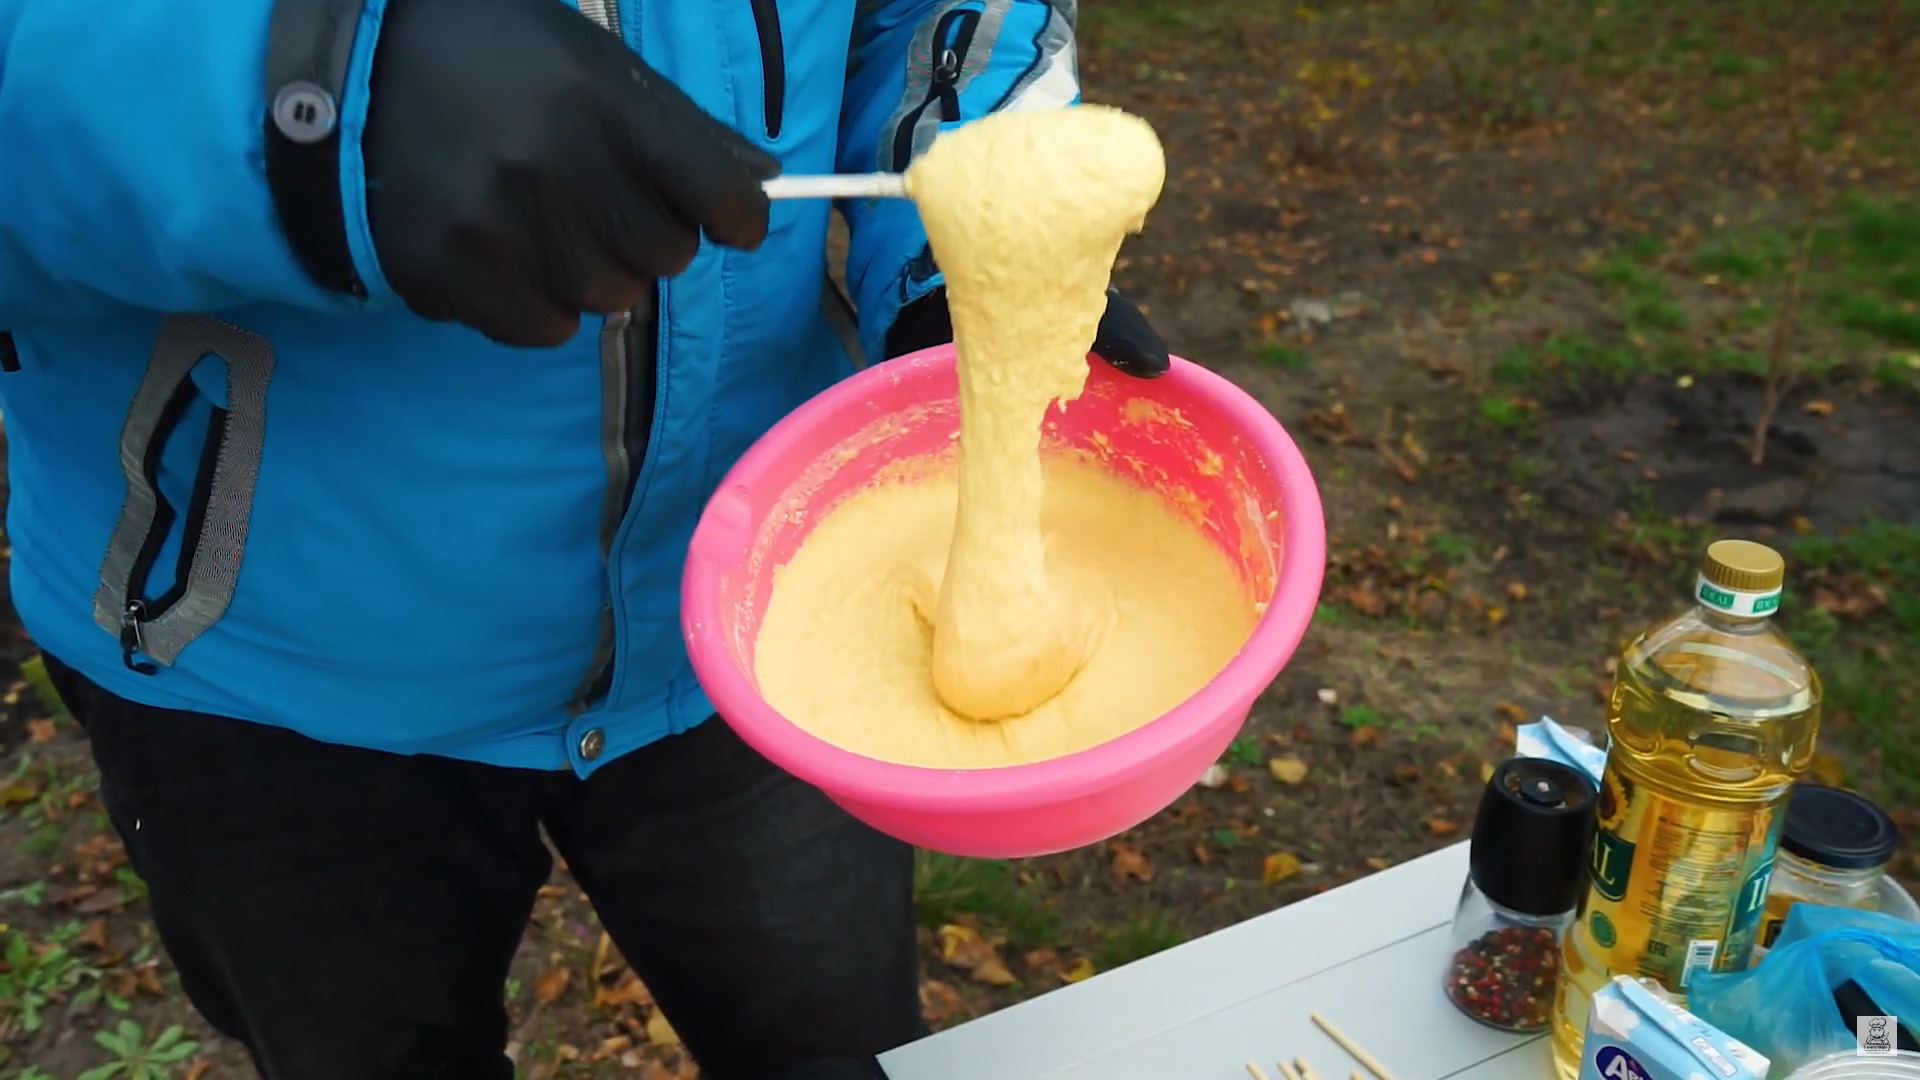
x: 1254, y: 1071
x: 1371, y: 1063
x: 1287, y: 1071
x: 1306, y: 1070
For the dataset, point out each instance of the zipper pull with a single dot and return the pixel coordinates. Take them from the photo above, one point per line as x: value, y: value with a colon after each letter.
x: 133, y: 638
x: 948, y: 69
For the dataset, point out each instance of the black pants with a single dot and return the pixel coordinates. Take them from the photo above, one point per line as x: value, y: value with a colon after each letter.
x: 350, y: 915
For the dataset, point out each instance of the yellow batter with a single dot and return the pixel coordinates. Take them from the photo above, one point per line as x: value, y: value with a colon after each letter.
x: 1069, y: 608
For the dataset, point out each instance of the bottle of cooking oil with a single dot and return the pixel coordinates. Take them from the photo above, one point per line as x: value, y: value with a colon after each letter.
x: 1712, y: 718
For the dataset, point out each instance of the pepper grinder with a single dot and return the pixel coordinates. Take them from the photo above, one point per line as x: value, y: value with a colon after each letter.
x: 1526, y: 864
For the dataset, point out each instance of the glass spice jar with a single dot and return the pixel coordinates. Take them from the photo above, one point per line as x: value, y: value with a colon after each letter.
x: 1526, y: 862
x: 1506, y: 964
x: 1834, y: 849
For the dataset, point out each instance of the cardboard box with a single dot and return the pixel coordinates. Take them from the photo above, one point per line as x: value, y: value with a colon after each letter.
x: 1635, y: 1033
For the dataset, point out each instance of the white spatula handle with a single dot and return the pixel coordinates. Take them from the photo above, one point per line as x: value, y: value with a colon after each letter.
x: 847, y: 186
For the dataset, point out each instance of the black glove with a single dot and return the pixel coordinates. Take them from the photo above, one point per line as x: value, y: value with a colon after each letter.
x: 524, y: 166
x: 1125, y: 338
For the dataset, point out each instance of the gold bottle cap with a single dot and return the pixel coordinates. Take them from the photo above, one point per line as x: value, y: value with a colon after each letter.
x: 1740, y: 577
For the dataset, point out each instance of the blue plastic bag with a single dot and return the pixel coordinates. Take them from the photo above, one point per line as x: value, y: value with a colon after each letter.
x: 1784, y: 1007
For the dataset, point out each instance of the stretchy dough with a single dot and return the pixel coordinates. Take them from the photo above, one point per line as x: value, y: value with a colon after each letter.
x: 1021, y: 609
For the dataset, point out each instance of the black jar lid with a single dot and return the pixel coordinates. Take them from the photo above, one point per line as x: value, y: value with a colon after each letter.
x: 1530, y: 837
x: 1835, y: 827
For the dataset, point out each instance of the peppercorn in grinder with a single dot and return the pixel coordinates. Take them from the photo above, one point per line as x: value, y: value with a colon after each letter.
x: 1527, y: 864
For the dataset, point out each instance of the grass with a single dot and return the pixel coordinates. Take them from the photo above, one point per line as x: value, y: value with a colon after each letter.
x: 1864, y: 311
x: 1284, y: 357
x: 946, y: 887
x: 1245, y: 751
x: 1147, y: 932
x: 41, y: 973
x: 1355, y: 717
x: 1864, y: 666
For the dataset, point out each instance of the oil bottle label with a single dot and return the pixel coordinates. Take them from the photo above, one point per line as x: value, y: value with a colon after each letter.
x: 1676, y: 888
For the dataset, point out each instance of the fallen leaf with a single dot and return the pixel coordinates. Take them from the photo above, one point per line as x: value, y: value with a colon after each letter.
x: 18, y: 793
x: 1828, y: 770
x: 1508, y: 735
x: 1440, y: 826
x: 1819, y: 407
x: 41, y: 730
x: 1364, y: 737
x: 1287, y: 770
x: 548, y: 987
x: 1081, y: 971
x: 198, y: 1069
x: 1041, y: 959
x: 1486, y: 771
x: 1516, y: 590
x: 147, y: 978
x: 1375, y: 862
x: 994, y: 973
x: 629, y: 990
x: 1502, y: 281
x: 105, y: 900
x: 1366, y: 602
x: 1238, y: 784
x: 659, y: 1031
x: 95, y: 935
x: 938, y: 1001
x: 1278, y: 867
x: 1406, y: 772
x: 963, y: 947
x: 1512, y: 711
x: 1201, y: 855
x: 1129, y: 863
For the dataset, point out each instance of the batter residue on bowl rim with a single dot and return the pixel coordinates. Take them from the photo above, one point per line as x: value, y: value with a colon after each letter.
x: 1013, y: 609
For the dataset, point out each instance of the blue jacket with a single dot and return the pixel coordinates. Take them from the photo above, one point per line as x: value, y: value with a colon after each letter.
x: 237, y: 492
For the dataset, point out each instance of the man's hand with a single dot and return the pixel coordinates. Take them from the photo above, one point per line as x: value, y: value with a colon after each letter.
x: 524, y: 166
x: 1125, y: 338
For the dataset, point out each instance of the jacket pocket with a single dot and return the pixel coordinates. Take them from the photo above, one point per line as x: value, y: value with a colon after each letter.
x: 154, y: 627
x: 952, y: 38
x: 773, y: 64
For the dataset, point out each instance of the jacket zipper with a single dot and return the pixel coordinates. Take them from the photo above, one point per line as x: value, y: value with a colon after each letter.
x: 773, y: 63
x: 629, y: 356
x: 952, y: 36
x: 140, y: 608
x: 629, y: 366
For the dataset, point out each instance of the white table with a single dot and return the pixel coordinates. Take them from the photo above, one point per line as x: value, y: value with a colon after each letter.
x: 1369, y: 956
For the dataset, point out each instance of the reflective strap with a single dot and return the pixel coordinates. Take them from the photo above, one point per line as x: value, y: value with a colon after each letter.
x: 215, y: 569
x: 1054, y: 79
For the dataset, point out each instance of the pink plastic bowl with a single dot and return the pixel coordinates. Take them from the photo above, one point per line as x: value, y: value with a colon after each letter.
x: 1192, y: 435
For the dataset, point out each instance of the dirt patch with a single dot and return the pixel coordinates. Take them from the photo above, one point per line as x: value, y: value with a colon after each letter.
x: 1689, y: 445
